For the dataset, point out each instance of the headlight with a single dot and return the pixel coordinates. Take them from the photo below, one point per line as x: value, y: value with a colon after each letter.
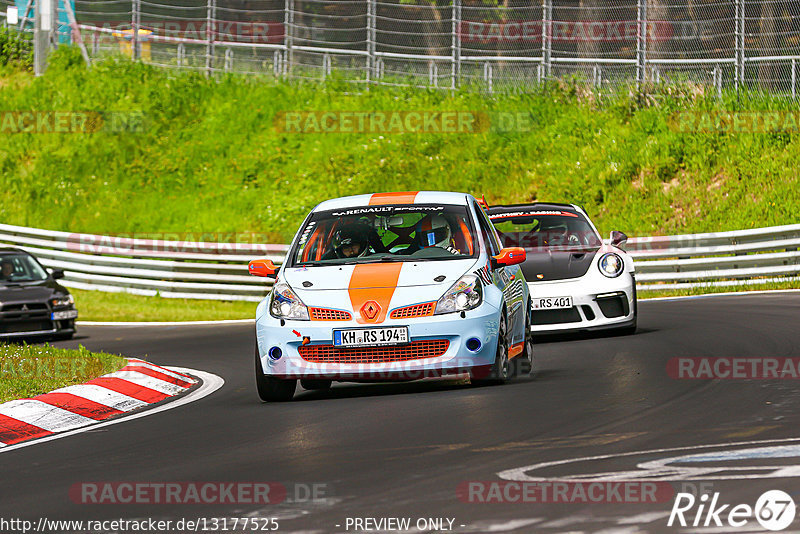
x: 465, y: 294
x: 60, y: 302
x: 284, y: 304
x: 611, y: 265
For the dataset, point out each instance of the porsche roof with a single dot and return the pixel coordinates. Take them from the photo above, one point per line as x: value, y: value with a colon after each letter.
x: 404, y: 197
x: 535, y: 207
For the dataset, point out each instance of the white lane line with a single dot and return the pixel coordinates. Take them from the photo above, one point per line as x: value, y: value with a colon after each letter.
x: 104, y: 396
x: 148, y: 365
x: 147, y: 381
x: 43, y: 415
x: 211, y: 383
x: 164, y: 323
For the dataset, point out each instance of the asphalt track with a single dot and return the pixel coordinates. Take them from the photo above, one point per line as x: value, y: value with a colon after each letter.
x: 402, y: 450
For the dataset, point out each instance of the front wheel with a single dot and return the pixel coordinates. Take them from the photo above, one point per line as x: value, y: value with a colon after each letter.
x: 523, y: 364
x: 271, y: 389
x: 501, y: 369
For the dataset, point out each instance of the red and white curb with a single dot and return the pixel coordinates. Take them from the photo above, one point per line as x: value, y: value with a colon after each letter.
x: 135, y: 386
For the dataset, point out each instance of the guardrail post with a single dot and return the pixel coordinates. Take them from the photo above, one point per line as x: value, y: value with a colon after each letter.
x: 641, y: 42
x: 547, y: 36
x: 135, y: 25
x: 371, y: 38
x: 211, y: 30
x: 181, y: 54
x: 455, y: 67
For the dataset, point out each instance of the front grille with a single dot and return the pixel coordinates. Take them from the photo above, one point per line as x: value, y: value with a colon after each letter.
x: 324, y: 314
x: 13, y: 327
x: 417, y: 310
x: 569, y: 315
x: 416, y: 350
x: 616, y: 306
x: 32, y: 307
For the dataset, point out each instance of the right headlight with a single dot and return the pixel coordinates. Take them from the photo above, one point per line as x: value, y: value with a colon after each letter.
x: 611, y: 264
x: 284, y: 304
x: 464, y: 295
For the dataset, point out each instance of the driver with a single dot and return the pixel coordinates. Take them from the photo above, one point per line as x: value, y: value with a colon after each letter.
x: 6, y: 269
x: 352, y: 241
x: 435, y: 231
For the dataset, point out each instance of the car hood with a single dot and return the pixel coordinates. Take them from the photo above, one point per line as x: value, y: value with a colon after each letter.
x: 442, y: 273
x: 548, y: 264
x: 29, y: 292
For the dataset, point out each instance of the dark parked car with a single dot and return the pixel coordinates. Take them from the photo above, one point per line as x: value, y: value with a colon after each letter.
x: 32, y: 303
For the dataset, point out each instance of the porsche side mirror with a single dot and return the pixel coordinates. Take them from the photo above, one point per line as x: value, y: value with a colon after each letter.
x: 263, y: 268
x: 618, y: 238
x: 509, y: 256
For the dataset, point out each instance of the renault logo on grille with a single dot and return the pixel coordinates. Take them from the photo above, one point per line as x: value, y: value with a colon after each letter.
x: 370, y: 310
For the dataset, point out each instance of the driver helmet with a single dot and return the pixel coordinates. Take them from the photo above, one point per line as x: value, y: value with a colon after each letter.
x: 350, y: 237
x: 433, y: 231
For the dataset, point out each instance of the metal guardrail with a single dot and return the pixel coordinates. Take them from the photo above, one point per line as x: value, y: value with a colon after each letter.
x: 199, y: 270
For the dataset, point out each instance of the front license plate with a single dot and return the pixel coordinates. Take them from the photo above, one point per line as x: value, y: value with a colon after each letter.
x: 370, y: 337
x: 552, y: 303
x: 62, y: 315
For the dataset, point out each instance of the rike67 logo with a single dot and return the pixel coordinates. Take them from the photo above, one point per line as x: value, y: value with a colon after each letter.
x: 774, y: 510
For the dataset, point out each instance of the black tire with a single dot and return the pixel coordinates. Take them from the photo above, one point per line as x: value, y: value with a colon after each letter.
x: 272, y: 389
x: 501, y: 369
x: 314, y: 384
x: 523, y: 364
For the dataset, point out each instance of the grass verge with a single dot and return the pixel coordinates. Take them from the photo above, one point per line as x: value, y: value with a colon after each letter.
x: 769, y: 286
x: 102, y: 306
x: 30, y: 370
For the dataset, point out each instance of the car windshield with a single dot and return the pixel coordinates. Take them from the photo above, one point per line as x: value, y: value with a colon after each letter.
x: 19, y: 268
x: 544, y: 230
x: 372, y: 234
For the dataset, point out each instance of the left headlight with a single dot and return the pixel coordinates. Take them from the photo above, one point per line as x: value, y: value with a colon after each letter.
x: 611, y: 265
x: 60, y: 302
x: 284, y: 304
x: 465, y: 294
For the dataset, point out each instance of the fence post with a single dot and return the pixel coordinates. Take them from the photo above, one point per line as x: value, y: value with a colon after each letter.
x: 135, y: 23
x: 455, y: 66
x: 181, y: 54
x: 371, y: 38
x: 42, y: 26
x: 288, y: 23
x: 794, y: 78
x: 547, y: 36
x: 740, y: 42
x: 211, y: 30
x: 641, y: 42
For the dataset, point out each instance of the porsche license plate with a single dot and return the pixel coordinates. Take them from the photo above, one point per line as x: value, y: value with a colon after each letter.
x: 551, y: 303
x: 370, y: 337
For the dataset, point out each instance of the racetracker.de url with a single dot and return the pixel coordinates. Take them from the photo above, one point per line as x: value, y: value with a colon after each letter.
x: 196, y: 524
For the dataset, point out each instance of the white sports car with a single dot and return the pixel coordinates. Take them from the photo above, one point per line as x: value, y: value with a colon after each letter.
x: 576, y: 281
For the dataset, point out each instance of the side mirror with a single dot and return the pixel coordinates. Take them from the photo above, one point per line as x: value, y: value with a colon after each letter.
x: 56, y: 274
x: 509, y: 256
x: 263, y: 268
x: 618, y: 238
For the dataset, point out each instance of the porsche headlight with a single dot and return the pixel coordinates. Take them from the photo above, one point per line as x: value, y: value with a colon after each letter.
x: 611, y: 265
x: 60, y: 302
x: 284, y: 304
x: 465, y: 294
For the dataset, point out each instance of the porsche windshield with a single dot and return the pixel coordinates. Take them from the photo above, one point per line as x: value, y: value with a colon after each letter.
x: 385, y: 233
x: 15, y: 268
x: 542, y: 230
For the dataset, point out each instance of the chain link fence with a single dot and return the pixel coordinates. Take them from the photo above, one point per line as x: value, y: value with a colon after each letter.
x: 486, y: 44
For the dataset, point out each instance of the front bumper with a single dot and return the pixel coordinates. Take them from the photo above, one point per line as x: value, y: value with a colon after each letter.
x: 36, y: 323
x: 597, y: 304
x: 481, y: 323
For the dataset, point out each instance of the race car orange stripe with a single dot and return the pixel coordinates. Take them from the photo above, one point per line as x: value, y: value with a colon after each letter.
x: 515, y: 350
x: 381, y: 199
x: 376, y: 282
